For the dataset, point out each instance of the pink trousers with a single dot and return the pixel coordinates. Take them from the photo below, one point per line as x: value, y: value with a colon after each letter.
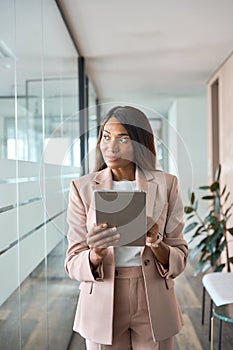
x: 131, y: 324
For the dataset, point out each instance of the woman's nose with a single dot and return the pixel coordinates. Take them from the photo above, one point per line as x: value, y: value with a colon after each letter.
x: 114, y: 145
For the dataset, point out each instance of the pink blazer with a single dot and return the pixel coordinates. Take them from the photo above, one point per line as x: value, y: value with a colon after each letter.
x: 94, y: 315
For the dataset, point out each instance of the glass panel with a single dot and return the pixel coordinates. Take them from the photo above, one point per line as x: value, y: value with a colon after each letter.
x: 7, y: 87
x: 39, y: 133
x: 92, y: 125
x: 8, y: 188
x: 156, y: 124
x: 60, y: 126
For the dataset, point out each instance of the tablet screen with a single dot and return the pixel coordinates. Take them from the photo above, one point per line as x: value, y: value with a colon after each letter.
x: 124, y: 209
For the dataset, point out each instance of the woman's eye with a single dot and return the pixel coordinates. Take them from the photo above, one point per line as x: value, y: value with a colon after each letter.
x: 124, y: 139
x: 106, y: 137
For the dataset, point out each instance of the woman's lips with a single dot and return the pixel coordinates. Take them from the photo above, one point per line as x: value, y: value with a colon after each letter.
x: 112, y: 159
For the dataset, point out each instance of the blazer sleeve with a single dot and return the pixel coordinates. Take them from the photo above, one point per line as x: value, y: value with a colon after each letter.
x: 173, y: 234
x: 77, y: 263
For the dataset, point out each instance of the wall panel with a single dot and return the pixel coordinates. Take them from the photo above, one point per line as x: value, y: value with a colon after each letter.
x: 35, y: 220
x: 224, y: 75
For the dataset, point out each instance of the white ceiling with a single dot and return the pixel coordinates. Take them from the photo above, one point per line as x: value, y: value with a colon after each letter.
x: 141, y: 52
x: 148, y: 52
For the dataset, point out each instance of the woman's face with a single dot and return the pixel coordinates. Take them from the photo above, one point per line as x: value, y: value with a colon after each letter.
x: 116, y: 146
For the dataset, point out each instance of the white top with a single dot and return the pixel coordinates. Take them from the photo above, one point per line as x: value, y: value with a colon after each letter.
x: 126, y: 256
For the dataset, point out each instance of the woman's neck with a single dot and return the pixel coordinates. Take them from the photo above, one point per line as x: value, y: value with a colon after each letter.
x: 123, y: 174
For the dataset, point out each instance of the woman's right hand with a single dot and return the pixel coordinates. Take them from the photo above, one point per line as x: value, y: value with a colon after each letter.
x: 99, y: 239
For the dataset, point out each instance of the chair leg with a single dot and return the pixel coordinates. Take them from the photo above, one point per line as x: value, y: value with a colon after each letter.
x: 203, y: 306
x: 220, y: 335
x: 210, y: 316
x: 212, y: 334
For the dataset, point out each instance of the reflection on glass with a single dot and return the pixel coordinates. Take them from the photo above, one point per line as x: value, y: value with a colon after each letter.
x: 156, y: 124
x: 92, y: 122
x: 39, y: 156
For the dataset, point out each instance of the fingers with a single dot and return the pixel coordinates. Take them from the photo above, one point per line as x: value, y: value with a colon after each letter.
x: 155, y: 239
x: 153, y: 232
x: 102, y: 237
x: 105, y: 242
x: 96, y: 229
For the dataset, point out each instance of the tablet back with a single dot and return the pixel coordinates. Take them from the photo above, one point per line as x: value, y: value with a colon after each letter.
x: 126, y: 210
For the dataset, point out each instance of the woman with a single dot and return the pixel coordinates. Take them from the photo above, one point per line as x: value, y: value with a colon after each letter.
x: 127, y: 299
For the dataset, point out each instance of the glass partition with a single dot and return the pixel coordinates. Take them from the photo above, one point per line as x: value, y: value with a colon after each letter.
x: 92, y: 124
x: 39, y: 156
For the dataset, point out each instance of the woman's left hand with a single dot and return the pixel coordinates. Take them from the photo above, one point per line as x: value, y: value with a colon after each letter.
x: 153, y: 237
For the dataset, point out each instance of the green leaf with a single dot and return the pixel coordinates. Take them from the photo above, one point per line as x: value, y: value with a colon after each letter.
x: 227, y: 196
x: 230, y: 230
x: 190, y: 227
x: 192, y: 199
x: 203, y: 255
x: 231, y: 259
x: 219, y: 268
x: 214, y: 187
x: 195, y: 205
x: 223, y: 191
x: 190, y: 216
x: 212, y: 219
x: 206, y: 267
x: 212, y: 241
x: 198, y: 231
x: 199, y: 267
x: 195, y: 251
x: 208, y: 197
x: 188, y: 210
x: 204, y: 187
x: 222, y: 246
x: 218, y: 173
x: 228, y: 209
x: 215, y: 257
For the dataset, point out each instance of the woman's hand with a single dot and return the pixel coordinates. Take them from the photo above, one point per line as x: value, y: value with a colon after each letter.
x: 153, y: 237
x: 99, y: 239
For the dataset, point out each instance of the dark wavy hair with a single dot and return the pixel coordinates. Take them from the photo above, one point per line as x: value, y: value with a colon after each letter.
x: 139, y: 129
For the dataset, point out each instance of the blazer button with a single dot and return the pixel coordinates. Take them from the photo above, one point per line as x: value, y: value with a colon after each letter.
x: 146, y: 262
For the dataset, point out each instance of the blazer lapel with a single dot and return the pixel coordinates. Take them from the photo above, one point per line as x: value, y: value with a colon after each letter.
x: 154, y: 183
x: 103, y: 180
x: 145, y: 181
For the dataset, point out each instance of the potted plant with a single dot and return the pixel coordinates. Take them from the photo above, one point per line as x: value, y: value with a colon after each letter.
x: 212, y: 229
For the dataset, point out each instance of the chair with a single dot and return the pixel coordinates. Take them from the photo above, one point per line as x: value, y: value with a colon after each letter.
x: 219, y: 286
x: 224, y: 313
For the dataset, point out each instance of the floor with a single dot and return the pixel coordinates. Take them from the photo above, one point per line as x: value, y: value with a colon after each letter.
x: 39, y: 316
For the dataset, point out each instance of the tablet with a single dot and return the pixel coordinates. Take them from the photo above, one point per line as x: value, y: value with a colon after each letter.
x: 124, y: 209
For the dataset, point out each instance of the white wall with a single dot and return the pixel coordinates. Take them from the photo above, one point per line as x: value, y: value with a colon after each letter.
x: 188, y: 142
